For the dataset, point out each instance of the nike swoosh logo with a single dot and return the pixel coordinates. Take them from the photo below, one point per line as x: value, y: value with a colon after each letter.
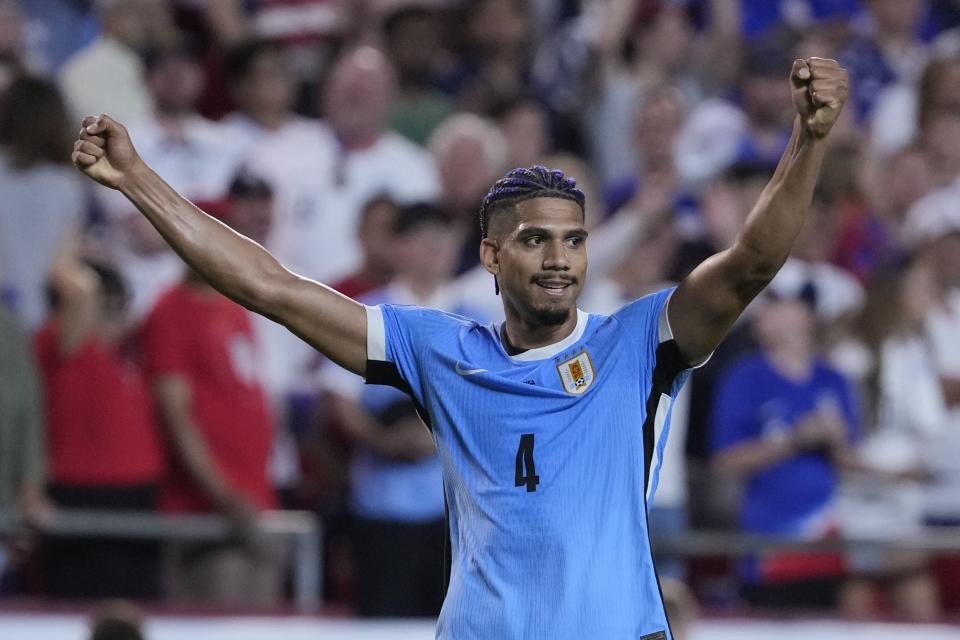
x: 467, y: 372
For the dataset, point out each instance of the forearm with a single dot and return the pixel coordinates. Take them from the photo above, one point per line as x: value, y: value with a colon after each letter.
x: 174, y: 400
x: 192, y: 452
x: 235, y: 265
x: 779, y: 215
x: 752, y: 457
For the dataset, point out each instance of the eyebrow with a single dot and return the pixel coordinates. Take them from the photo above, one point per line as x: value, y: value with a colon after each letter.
x: 579, y: 232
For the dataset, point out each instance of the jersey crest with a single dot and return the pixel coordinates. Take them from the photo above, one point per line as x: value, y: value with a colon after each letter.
x: 577, y: 374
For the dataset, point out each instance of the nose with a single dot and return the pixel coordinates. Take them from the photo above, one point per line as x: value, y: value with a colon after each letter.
x: 555, y: 257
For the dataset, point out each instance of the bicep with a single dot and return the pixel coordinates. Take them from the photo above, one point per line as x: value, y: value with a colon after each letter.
x: 327, y: 320
x: 707, y: 303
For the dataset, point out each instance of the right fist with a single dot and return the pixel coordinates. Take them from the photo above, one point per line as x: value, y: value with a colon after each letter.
x: 104, y: 152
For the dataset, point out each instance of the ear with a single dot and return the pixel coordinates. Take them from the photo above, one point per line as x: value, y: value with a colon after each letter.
x: 490, y: 255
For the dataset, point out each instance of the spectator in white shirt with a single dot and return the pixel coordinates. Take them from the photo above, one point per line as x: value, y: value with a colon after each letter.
x: 107, y: 75
x: 324, y: 178
x: 193, y: 154
x: 263, y: 88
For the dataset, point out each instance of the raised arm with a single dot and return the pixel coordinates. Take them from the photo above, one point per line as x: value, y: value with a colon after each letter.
x: 235, y: 265
x: 713, y: 296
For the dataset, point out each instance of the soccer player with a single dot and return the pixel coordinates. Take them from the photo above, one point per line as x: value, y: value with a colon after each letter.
x: 549, y: 426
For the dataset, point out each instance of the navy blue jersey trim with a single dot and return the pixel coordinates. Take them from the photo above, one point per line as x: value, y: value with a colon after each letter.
x: 387, y: 373
x: 670, y: 363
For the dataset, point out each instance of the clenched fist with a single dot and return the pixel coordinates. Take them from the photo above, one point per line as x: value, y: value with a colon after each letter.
x: 820, y: 89
x: 104, y: 152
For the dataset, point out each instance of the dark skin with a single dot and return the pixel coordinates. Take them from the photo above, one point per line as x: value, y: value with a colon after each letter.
x: 527, y: 263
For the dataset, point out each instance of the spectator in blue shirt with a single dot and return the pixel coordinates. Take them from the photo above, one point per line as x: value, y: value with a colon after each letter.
x: 783, y: 422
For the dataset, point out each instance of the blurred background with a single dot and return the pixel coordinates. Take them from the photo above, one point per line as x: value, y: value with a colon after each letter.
x: 165, y: 452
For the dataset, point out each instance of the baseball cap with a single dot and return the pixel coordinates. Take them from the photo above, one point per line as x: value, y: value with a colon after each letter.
x: 933, y: 216
x: 246, y: 184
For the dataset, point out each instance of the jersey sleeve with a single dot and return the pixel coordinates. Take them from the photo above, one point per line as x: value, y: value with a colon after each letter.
x: 399, y: 339
x: 646, y: 320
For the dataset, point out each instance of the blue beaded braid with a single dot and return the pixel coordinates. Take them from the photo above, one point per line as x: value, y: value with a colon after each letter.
x: 524, y: 183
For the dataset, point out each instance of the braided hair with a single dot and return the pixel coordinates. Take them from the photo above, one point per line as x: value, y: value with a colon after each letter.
x: 524, y: 184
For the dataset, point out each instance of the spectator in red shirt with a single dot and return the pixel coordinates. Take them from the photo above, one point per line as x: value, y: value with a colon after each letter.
x: 104, y: 447
x: 376, y: 240
x: 201, y: 358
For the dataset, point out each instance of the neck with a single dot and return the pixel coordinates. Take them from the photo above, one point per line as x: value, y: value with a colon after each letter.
x: 173, y: 119
x: 793, y: 360
x: 423, y: 288
x: 377, y: 273
x: 522, y: 334
x: 359, y: 141
x: 269, y: 120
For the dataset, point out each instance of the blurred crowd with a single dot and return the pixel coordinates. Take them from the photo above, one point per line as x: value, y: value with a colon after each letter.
x: 355, y: 140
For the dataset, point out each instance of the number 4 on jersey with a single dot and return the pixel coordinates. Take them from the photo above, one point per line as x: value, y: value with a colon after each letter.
x: 526, y: 469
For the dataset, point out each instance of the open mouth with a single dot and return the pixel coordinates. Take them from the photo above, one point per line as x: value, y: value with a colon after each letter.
x: 554, y: 287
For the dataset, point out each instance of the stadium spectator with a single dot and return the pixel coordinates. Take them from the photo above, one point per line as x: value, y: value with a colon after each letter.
x: 107, y: 75
x: 15, y: 55
x: 857, y: 227
x: 470, y: 152
x: 197, y: 156
x: 938, y: 124
x: 495, y: 61
x: 195, y: 153
x: 526, y: 128
x: 397, y: 495
x: 783, y: 422
x: 375, y: 235
x: 323, y: 180
x: 655, y: 127
x: 202, y: 361
x: 613, y: 57
x: 414, y: 38
x: 933, y: 230
x: 890, y: 52
x: 263, y: 88
x: 753, y: 128
x: 59, y: 28
x: 23, y: 461
x: 104, y: 449
x: 42, y: 199
x: 908, y: 417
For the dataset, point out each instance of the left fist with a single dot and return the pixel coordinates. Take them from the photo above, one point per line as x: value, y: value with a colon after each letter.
x: 820, y: 87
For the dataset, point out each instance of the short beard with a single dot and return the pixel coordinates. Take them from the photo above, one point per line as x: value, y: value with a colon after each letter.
x: 550, y: 316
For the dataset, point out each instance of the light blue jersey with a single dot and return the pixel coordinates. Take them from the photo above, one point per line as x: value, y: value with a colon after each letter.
x: 550, y: 459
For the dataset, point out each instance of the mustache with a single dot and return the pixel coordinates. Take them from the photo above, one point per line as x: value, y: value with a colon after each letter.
x: 553, y: 278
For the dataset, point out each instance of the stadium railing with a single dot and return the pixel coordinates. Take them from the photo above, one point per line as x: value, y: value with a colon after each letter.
x: 301, y: 528
x: 304, y: 532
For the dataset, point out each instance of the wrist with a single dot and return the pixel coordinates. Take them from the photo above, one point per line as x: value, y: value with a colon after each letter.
x: 134, y: 177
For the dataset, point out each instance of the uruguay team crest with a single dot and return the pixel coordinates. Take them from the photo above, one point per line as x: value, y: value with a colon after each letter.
x: 577, y: 373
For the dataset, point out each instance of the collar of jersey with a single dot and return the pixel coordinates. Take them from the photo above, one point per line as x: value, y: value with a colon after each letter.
x: 550, y: 350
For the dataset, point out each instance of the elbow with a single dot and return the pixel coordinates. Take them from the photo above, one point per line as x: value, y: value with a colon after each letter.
x: 264, y: 291
x: 755, y: 268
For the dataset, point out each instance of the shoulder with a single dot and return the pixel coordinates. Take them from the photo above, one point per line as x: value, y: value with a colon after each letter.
x: 752, y: 365
x: 394, y: 148
x: 426, y: 317
x: 170, y: 303
x: 645, y: 309
x: 830, y: 374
